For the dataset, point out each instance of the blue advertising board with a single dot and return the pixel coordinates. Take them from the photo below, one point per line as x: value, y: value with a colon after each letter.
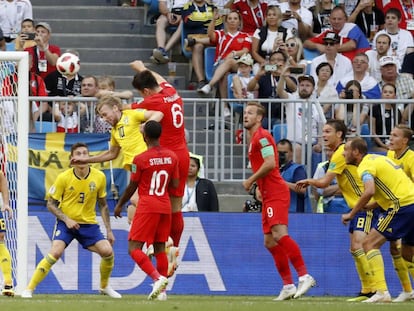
x: 220, y: 254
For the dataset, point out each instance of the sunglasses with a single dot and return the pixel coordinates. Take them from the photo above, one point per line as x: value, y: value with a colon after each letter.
x: 329, y: 43
x: 291, y: 45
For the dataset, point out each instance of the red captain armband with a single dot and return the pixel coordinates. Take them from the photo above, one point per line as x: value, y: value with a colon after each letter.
x: 134, y: 106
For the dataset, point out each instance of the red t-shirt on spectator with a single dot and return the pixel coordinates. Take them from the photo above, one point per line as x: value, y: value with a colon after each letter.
x: 227, y: 43
x: 252, y: 18
x: 37, y: 55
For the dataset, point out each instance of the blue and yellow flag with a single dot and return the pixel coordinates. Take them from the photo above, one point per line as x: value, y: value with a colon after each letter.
x: 49, y: 156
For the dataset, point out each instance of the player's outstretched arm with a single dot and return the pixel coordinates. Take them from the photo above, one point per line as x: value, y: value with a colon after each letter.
x: 108, y: 155
x: 129, y: 191
x: 322, y: 182
x: 139, y: 66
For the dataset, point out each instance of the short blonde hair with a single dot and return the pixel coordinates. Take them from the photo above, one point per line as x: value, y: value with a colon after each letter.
x: 110, y: 101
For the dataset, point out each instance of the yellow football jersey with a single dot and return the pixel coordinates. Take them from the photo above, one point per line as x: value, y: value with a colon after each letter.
x: 406, y: 161
x: 127, y: 135
x: 78, y: 197
x: 348, y: 180
x: 393, y: 188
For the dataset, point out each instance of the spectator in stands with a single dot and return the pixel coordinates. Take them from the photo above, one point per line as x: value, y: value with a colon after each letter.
x: 321, y: 15
x: 37, y: 87
x: 197, y: 15
x: 170, y: 16
x: 295, y: 111
x: 66, y: 117
x: 231, y: 44
x: 267, y: 78
x: 356, y: 113
x: 389, y: 74
x: 329, y: 199
x: 106, y: 86
x: 351, y: 38
x: 252, y: 13
x: 58, y: 84
x: 297, y: 18
x: 89, y: 88
x: 384, y: 118
x: 243, y: 77
x: 340, y: 64
x: 369, y: 86
x: 267, y: 39
x: 408, y: 65
x: 294, y: 50
x: 401, y: 39
x: 44, y: 54
x: 368, y: 17
x: 12, y: 13
x: 348, y: 5
x: 406, y: 8
x: 291, y: 173
x: 200, y: 194
x: 382, y: 48
x: 25, y: 39
x: 325, y: 91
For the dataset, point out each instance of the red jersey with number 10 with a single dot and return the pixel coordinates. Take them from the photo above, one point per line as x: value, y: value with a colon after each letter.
x: 153, y: 170
x: 171, y: 105
x: 272, y: 186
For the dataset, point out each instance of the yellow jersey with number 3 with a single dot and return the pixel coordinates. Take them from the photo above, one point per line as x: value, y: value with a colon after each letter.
x: 78, y: 196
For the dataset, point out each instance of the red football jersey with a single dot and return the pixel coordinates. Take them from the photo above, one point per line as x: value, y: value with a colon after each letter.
x: 153, y: 170
x: 272, y: 186
x: 171, y: 105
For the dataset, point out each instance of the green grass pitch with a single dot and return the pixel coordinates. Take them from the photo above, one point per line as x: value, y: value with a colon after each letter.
x: 66, y: 302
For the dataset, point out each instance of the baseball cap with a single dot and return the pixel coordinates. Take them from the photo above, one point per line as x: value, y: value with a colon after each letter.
x: 331, y: 36
x: 307, y: 77
x: 388, y: 60
x: 44, y: 25
x: 246, y: 59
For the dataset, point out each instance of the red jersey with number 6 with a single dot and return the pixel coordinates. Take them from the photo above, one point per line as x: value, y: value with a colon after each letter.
x: 171, y: 105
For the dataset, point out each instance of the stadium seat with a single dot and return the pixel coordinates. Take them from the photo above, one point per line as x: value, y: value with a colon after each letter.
x: 279, y: 132
x: 150, y: 10
x: 187, y: 54
x: 45, y: 127
x: 209, y: 54
x: 310, y: 54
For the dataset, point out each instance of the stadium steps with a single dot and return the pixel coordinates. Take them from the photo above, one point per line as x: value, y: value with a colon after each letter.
x: 107, y: 36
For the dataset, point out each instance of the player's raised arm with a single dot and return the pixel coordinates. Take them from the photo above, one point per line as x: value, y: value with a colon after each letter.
x: 139, y: 66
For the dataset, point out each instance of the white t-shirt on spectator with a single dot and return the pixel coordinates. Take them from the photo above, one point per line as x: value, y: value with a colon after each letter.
x: 399, y: 42
x: 342, y: 68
